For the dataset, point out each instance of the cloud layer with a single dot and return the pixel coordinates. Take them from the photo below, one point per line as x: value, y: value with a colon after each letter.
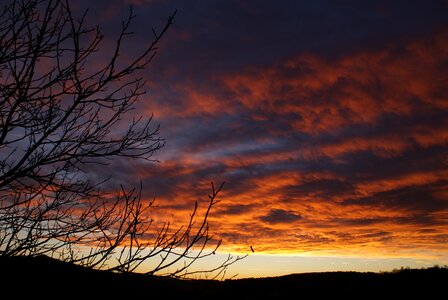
x: 328, y: 123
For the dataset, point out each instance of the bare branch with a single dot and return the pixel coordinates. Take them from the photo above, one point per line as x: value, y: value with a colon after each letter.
x: 57, y: 115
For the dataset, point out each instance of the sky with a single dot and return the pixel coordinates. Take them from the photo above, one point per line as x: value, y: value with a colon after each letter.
x: 328, y: 121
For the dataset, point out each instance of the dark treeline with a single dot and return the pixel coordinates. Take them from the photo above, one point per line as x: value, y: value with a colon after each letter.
x: 49, y: 278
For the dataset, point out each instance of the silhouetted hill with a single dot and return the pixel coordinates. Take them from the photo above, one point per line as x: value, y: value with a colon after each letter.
x: 47, y: 278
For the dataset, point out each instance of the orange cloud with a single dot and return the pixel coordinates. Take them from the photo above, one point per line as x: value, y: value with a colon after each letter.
x: 328, y: 95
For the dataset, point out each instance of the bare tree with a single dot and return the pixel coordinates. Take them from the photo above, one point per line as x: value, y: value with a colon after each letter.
x: 57, y: 115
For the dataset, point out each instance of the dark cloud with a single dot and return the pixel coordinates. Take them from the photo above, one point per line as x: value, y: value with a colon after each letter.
x: 231, y: 34
x: 412, y: 198
x: 236, y: 209
x: 276, y: 216
x: 418, y: 219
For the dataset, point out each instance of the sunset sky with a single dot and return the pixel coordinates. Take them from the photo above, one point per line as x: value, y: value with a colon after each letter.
x: 328, y: 121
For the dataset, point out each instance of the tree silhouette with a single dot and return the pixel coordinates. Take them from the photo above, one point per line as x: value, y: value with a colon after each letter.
x: 58, y: 115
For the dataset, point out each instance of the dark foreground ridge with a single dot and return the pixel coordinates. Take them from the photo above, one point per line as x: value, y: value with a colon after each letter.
x: 43, y: 277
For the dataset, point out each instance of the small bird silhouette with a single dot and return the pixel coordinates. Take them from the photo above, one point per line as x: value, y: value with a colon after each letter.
x: 251, y: 248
